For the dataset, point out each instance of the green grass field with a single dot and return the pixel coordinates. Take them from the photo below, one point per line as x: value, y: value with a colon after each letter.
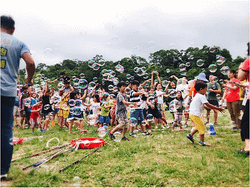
x: 166, y: 159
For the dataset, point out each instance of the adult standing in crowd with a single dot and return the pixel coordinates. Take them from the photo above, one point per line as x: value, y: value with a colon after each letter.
x: 231, y: 94
x: 11, y: 51
x: 242, y: 75
x: 213, y: 89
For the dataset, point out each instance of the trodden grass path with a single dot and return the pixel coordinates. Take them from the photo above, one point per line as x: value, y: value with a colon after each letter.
x: 164, y: 159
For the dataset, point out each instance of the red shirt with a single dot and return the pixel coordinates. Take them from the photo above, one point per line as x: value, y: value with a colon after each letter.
x: 245, y: 67
x: 232, y: 95
x: 34, y: 115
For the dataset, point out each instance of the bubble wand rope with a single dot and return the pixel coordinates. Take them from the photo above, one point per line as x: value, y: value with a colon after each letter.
x: 76, y: 162
x: 42, y: 152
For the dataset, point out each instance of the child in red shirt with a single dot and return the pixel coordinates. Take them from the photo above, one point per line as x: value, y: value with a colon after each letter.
x: 34, y: 115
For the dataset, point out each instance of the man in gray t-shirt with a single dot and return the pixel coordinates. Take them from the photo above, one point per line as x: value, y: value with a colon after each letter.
x: 11, y: 51
x: 213, y: 89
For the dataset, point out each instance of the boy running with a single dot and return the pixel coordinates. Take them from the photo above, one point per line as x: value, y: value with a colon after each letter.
x: 196, y: 108
x: 121, y: 111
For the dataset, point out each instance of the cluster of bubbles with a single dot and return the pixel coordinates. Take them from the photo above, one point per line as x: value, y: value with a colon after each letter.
x: 94, y: 65
x: 220, y: 59
x: 225, y: 70
x: 140, y: 71
x: 75, y: 107
x: 119, y: 68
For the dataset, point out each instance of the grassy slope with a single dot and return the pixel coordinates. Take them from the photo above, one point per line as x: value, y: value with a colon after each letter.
x: 164, y: 159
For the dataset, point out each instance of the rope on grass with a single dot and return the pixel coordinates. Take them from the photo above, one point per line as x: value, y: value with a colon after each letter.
x: 47, y: 145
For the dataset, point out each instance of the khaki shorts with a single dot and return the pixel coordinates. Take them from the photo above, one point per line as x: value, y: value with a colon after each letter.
x: 199, y: 125
x: 123, y: 123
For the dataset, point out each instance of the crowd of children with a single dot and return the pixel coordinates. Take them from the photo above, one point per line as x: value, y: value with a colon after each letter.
x: 134, y: 107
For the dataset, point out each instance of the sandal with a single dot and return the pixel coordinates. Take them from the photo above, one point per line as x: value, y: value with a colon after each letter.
x: 204, y: 144
x: 242, y: 151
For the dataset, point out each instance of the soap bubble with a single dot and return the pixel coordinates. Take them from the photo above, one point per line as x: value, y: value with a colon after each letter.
x: 173, y: 105
x: 39, y: 76
x: 71, y: 102
x: 151, y: 43
x: 188, y: 64
x: 101, y: 62
x: 182, y: 65
x: 164, y: 83
x: 95, y: 79
x: 48, y: 52
x: 78, y: 102
x: 76, y: 181
x: 128, y: 76
x: 144, y: 123
x: 190, y: 57
x: 102, y: 131
x: 168, y: 70
x: 104, y: 71
x: 77, y: 110
x: 110, y: 87
x: 183, y: 71
x: 91, y: 63
x: 76, y: 80
x: 199, y: 62
x: 82, y: 75
x: 225, y: 70
x: 216, y: 79
x: 115, y: 89
x: 118, y: 136
x: 127, y: 89
x: 221, y: 81
x: 83, y: 84
x: 145, y: 77
x: 133, y: 122
x: 112, y: 73
x: 96, y: 66
x: 104, y: 98
x: 140, y: 72
x: 172, y: 93
x: 212, y: 68
x: 119, y: 68
x: 73, y: 77
x: 149, y: 117
x: 92, y: 84
x: 136, y: 69
x: 218, y: 97
x: 115, y: 81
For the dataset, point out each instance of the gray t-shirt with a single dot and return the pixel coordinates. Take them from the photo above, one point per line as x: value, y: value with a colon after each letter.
x: 214, y: 86
x: 11, y: 52
x: 120, y: 110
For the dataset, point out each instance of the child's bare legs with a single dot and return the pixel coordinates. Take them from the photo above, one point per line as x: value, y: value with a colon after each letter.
x: 186, y: 117
x: 247, y: 148
x: 46, y: 122
x: 131, y: 129
x: 21, y: 125
x: 202, y: 137
x: 70, y: 125
x: 193, y: 131
x: 215, y: 116
x: 208, y: 115
x: 81, y: 125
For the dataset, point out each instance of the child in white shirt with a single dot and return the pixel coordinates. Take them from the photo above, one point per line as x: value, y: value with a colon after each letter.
x: 196, y: 108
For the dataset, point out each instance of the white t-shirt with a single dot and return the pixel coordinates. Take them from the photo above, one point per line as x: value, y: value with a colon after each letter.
x: 183, y: 89
x: 197, y: 104
x: 94, y: 107
x: 159, y: 95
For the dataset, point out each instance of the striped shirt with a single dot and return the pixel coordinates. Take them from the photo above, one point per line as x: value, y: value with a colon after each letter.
x: 136, y: 99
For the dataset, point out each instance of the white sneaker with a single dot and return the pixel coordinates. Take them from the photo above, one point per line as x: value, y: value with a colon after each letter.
x: 163, y: 127
x: 3, y: 177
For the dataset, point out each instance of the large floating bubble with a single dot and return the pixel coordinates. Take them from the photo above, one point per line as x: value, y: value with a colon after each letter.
x: 164, y: 83
x: 200, y: 62
x: 212, y: 68
x: 118, y: 136
x: 133, y: 122
x: 225, y: 70
x: 83, y: 83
